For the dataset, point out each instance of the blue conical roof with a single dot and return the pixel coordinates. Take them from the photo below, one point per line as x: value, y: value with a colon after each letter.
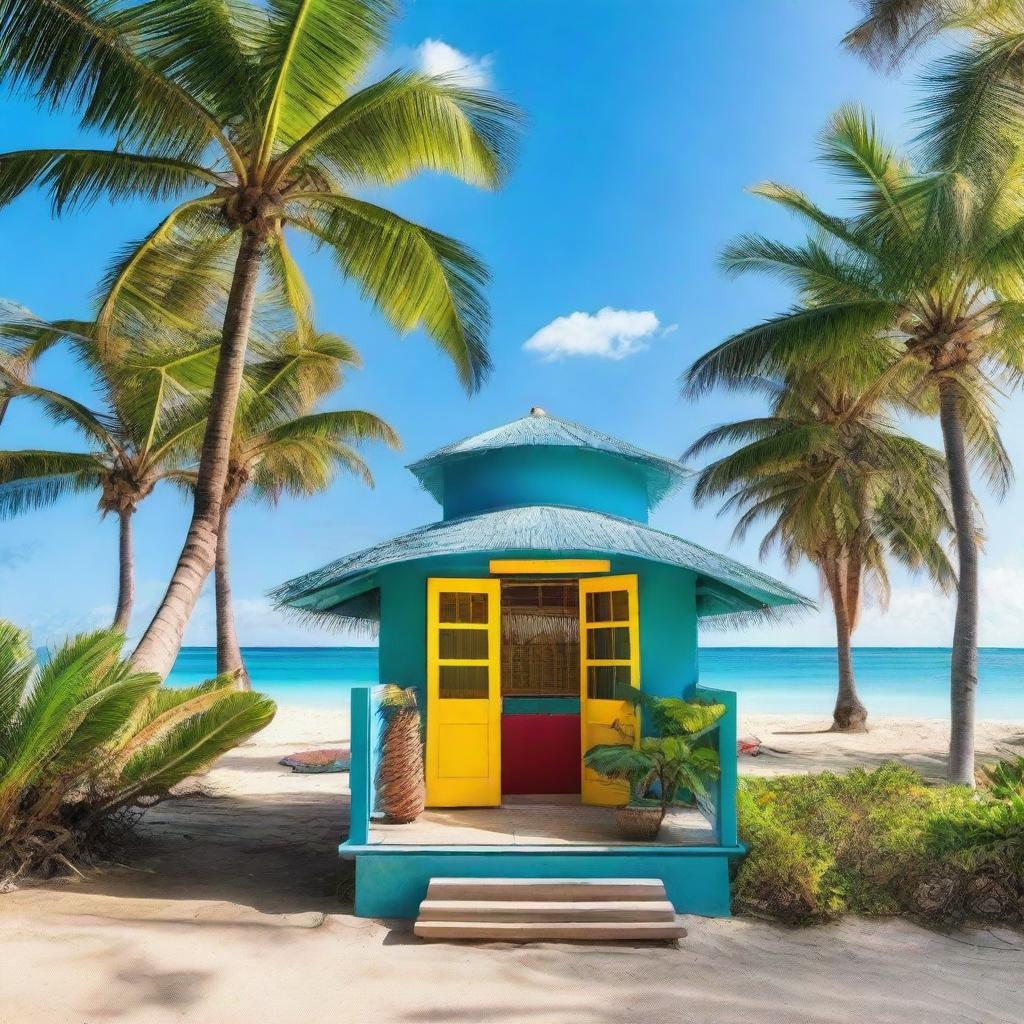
x: 539, y: 429
x: 725, y: 587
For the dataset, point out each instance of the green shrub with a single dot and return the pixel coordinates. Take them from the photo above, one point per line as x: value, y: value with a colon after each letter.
x: 84, y: 739
x: 782, y: 876
x: 1005, y: 778
x: 877, y: 842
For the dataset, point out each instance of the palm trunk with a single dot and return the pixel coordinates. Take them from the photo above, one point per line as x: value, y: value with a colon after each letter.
x: 126, y: 571
x: 229, y: 654
x: 963, y: 677
x: 849, y: 714
x: 161, y: 642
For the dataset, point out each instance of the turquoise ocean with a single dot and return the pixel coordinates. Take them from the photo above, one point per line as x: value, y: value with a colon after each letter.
x: 910, y: 681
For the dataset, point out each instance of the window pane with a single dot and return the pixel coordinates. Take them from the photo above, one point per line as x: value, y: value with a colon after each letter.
x: 463, y: 644
x: 609, y: 643
x: 457, y: 607
x: 604, y: 681
x: 608, y: 606
x: 463, y: 682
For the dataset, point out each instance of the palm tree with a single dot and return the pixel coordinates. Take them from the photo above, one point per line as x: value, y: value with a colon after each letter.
x: 925, y: 274
x: 247, y: 113
x: 839, y: 487
x: 974, y: 106
x: 281, y: 446
x: 155, y: 409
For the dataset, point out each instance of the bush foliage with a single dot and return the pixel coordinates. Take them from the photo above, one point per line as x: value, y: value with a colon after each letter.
x: 879, y: 842
x: 84, y: 740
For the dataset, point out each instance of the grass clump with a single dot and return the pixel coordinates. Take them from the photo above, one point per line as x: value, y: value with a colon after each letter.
x: 879, y: 842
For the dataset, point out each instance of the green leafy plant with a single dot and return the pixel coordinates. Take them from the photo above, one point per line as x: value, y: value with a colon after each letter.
x: 1005, y: 778
x: 980, y: 829
x: 670, y: 761
x: 83, y: 739
x: 673, y: 758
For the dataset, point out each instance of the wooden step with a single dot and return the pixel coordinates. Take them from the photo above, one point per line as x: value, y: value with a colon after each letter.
x: 547, y: 889
x: 540, y: 911
x: 522, y: 931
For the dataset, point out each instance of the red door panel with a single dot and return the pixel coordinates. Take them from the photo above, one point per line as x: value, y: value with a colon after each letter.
x: 540, y: 754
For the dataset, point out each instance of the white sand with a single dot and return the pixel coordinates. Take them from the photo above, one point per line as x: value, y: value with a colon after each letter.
x: 235, y: 909
x: 919, y: 742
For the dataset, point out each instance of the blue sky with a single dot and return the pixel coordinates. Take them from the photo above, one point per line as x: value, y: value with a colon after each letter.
x: 644, y: 130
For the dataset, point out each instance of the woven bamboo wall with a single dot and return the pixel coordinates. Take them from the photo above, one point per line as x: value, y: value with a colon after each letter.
x: 540, y: 639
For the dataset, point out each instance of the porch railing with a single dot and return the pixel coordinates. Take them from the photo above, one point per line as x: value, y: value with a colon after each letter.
x: 361, y: 770
x: 720, y: 807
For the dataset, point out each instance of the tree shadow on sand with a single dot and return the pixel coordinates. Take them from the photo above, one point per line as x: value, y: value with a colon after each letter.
x: 275, y: 852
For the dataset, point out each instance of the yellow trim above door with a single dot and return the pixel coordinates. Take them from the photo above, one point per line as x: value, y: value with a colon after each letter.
x: 609, y: 655
x: 463, y: 766
x: 539, y: 566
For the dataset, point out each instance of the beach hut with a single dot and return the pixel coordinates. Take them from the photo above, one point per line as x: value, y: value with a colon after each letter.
x: 516, y: 617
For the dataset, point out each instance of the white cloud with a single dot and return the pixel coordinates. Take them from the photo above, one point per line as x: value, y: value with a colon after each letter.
x: 607, y: 334
x: 436, y: 57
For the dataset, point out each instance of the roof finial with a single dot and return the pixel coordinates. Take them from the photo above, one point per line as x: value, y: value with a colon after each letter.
x: 537, y: 411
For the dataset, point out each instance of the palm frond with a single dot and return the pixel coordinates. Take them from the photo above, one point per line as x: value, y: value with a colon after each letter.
x: 178, y: 273
x: 310, y: 54
x: 852, y: 145
x: 415, y: 276
x: 63, y: 409
x: 973, y: 110
x: 209, y: 48
x: 775, y: 347
x: 289, y: 286
x: 17, y: 664
x: 193, y: 745
x: 34, y: 479
x: 891, y: 30
x: 78, y: 177
x: 85, y: 53
x: 291, y: 374
x: 162, y: 388
x: 70, y: 686
x: 796, y: 202
x: 408, y: 122
x: 819, y: 275
x: 352, y: 425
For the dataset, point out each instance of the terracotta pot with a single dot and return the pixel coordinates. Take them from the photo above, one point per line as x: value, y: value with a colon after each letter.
x: 639, y: 822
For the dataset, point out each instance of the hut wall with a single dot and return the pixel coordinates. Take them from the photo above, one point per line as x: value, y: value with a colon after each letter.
x: 511, y: 477
x: 668, y: 617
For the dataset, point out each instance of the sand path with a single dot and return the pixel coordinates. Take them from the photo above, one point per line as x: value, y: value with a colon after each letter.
x: 235, y: 909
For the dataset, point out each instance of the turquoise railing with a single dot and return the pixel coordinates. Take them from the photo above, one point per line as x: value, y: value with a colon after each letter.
x: 722, y: 802
x: 361, y: 770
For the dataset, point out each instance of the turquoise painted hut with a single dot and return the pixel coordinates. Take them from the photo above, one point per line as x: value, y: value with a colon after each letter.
x: 516, y: 617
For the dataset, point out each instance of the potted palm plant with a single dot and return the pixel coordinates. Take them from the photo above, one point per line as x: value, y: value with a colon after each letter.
x: 661, y: 770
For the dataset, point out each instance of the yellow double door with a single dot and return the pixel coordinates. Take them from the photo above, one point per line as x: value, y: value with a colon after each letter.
x: 463, y: 763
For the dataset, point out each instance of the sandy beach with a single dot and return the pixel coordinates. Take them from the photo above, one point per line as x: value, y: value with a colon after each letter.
x: 233, y: 907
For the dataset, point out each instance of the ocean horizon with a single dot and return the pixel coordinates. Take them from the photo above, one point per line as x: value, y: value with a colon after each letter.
x: 899, y: 681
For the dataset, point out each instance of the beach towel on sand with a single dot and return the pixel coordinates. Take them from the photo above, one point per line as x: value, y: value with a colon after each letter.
x: 331, y: 759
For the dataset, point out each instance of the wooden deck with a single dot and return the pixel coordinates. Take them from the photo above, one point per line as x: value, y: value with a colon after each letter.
x: 527, y: 823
